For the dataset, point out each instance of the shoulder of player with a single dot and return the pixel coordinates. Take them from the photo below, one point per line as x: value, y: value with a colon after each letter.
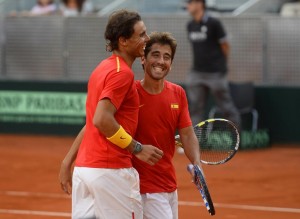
x: 190, y: 24
x: 119, y: 67
x: 174, y: 87
x: 213, y: 20
x: 116, y: 64
x: 114, y: 72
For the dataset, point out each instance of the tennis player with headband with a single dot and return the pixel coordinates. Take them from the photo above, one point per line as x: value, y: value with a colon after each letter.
x: 163, y: 110
x: 105, y: 185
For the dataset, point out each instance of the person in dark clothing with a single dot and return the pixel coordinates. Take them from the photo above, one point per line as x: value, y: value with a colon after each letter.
x: 210, y: 54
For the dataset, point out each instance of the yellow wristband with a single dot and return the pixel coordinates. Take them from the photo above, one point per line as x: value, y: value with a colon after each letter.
x: 121, y: 138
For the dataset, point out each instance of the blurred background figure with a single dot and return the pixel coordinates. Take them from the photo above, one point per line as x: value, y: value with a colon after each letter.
x: 43, y: 7
x: 210, y: 53
x: 76, y: 7
x: 291, y: 9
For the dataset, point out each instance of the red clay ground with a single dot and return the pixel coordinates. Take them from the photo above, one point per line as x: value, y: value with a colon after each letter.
x: 257, y: 184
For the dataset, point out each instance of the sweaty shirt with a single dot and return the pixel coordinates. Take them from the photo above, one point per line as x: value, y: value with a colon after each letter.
x: 159, y: 117
x: 114, y: 80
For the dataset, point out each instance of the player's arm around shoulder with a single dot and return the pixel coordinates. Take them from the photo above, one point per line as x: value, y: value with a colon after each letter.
x: 190, y: 144
x: 65, y: 172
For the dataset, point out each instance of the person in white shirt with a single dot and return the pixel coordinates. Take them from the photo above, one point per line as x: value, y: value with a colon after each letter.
x: 43, y: 7
x: 76, y: 7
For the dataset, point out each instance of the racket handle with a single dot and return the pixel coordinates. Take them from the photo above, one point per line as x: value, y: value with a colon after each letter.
x: 190, y: 168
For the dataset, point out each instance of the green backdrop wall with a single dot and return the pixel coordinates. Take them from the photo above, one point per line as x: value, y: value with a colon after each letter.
x: 279, y: 109
x: 42, y: 107
x: 58, y: 108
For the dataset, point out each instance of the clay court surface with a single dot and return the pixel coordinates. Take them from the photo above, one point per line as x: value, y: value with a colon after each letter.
x: 258, y: 184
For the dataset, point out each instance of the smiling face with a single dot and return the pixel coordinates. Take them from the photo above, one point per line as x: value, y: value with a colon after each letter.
x: 136, y: 44
x: 157, y: 63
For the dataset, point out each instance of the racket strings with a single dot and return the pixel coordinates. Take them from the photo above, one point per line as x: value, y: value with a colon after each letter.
x: 217, y: 140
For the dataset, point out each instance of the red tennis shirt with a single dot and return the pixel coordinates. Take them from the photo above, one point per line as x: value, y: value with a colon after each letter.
x: 112, y: 79
x: 159, y: 117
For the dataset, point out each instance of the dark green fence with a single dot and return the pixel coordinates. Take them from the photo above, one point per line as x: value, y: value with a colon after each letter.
x: 59, y: 108
x: 42, y: 107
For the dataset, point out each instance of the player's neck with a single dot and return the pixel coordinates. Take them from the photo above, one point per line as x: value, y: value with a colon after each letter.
x: 199, y: 16
x: 153, y: 86
x: 127, y: 58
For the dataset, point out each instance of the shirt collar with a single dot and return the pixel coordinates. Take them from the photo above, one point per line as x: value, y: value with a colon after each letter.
x: 205, y: 18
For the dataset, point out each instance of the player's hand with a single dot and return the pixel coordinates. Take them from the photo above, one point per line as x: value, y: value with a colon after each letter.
x: 192, y: 170
x: 150, y: 154
x: 65, y: 178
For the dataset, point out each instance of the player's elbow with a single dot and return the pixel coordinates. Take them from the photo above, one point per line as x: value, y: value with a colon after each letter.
x: 100, y: 122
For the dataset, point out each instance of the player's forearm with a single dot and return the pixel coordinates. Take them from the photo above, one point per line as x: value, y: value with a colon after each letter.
x: 190, y: 145
x: 191, y: 150
x: 225, y: 49
x: 72, y: 153
x: 104, y: 120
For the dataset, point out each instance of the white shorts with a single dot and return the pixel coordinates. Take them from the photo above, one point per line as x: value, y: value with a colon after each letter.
x: 160, y: 205
x: 106, y: 194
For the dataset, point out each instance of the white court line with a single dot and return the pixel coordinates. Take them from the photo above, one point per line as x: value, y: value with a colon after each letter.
x: 40, y: 213
x: 243, y: 207
x: 183, y: 203
x: 35, y: 194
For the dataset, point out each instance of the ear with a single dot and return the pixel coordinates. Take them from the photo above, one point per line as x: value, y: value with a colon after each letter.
x: 143, y: 60
x: 122, y: 41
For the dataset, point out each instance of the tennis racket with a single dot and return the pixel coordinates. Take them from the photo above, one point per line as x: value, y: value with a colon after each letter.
x: 199, y: 181
x: 219, y: 140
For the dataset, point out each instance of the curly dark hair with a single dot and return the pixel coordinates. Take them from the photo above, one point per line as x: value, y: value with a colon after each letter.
x: 120, y: 24
x: 162, y: 38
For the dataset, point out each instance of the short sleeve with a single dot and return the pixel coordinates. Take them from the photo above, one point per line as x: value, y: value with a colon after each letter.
x: 116, y: 87
x: 220, y: 31
x: 184, y: 117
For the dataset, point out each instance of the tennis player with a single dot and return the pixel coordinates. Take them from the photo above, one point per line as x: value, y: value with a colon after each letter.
x: 104, y: 183
x: 164, y: 106
x: 163, y: 109
x: 211, y: 49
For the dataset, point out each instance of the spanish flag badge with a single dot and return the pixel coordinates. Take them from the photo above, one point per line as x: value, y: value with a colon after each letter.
x: 174, y: 106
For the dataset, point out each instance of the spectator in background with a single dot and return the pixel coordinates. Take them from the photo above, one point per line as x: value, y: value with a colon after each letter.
x: 210, y: 50
x: 76, y: 7
x: 43, y: 7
